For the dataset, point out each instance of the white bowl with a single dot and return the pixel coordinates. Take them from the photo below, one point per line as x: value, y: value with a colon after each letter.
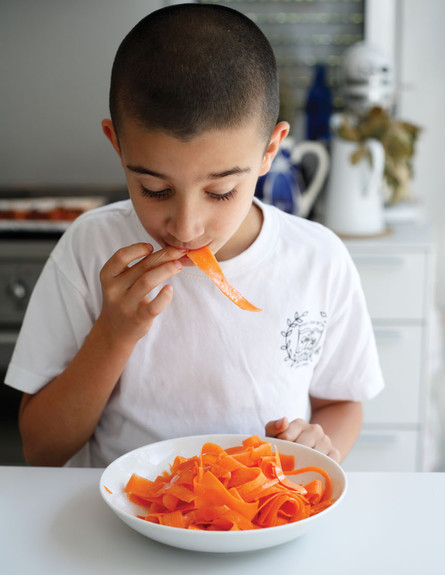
x: 151, y: 460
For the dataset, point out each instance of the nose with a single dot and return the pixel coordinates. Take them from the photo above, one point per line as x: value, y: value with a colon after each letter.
x: 186, y: 223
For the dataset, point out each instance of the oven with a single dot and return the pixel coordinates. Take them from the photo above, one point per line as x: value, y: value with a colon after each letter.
x: 26, y: 240
x: 21, y: 261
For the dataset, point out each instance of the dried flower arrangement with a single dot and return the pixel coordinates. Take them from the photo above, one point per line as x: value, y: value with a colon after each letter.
x: 399, y: 142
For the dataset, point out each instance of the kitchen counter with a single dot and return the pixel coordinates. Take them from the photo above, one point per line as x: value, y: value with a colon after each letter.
x: 53, y: 520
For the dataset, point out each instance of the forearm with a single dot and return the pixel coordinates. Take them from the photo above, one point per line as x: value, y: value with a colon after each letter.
x: 57, y: 421
x: 341, y: 421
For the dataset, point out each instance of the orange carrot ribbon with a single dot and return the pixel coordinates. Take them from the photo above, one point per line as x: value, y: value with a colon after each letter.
x: 206, y: 261
x: 232, y: 489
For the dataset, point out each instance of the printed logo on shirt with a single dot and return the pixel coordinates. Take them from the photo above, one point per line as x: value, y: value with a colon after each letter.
x: 302, y: 339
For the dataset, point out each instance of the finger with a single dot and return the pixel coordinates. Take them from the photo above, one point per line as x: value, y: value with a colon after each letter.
x: 311, y: 435
x: 159, y: 303
x: 324, y: 444
x: 335, y: 454
x: 152, y: 279
x: 121, y: 259
x: 165, y: 255
x: 150, y: 262
x: 276, y: 426
x: 293, y: 430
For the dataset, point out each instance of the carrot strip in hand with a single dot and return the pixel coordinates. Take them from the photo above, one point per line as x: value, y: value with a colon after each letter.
x: 235, y: 489
x: 206, y: 261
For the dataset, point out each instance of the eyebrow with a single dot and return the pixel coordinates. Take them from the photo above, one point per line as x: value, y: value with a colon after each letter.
x: 233, y: 172
x: 236, y: 171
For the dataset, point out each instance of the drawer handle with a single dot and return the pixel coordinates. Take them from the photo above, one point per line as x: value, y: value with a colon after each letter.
x: 378, y: 438
x: 387, y: 334
x: 378, y: 262
x: 8, y: 337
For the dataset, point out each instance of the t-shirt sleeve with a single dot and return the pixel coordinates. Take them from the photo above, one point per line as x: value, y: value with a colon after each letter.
x: 55, y: 325
x: 349, y: 366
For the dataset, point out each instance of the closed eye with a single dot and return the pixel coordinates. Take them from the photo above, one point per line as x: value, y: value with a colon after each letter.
x: 156, y: 195
x: 164, y: 194
x: 223, y: 197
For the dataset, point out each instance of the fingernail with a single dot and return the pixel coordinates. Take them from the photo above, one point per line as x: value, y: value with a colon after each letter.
x: 178, y: 264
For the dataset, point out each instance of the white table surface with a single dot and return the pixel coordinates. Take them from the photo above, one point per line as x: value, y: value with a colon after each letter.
x: 54, y: 521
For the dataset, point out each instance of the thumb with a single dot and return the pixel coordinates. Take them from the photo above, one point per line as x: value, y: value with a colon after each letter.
x: 276, y: 426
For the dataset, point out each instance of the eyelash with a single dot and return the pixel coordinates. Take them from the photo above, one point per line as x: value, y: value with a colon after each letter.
x: 223, y: 197
x: 162, y: 194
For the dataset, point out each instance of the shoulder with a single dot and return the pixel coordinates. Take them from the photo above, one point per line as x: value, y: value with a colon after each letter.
x: 94, y: 237
x: 300, y: 235
x: 114, y: 214
x: 104, y: 228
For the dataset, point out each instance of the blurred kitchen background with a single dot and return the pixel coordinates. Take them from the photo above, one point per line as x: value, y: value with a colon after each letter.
x: 55, y: 63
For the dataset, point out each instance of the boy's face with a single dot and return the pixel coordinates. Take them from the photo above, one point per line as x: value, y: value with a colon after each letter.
x: 199, y: 192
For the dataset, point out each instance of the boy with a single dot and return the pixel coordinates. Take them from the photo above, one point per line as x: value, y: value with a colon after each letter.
x: 125, y: 342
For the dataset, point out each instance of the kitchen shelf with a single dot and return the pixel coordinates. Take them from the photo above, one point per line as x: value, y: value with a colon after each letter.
x: 303, y: 34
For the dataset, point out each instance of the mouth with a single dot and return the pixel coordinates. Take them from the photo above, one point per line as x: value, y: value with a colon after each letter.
x: 185, y: 261
x: 186, y: 247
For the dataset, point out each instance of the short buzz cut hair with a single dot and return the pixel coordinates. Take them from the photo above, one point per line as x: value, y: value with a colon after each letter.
x: 189, y: 68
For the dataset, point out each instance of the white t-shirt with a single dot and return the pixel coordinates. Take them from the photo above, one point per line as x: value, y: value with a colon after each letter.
x: 206, y: 366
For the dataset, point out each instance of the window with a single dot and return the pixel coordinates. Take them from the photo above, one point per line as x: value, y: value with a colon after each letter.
x: 305, y: 33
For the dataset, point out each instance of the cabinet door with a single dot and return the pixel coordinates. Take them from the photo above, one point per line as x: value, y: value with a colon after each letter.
x: 394, y: 285
x: 400, y: 351
x: 383, y: 450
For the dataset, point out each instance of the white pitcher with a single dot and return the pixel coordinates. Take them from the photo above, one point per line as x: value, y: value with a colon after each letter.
x: 354, y: 202
x: 306, y: 198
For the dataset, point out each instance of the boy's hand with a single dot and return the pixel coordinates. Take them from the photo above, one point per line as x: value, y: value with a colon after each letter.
x: 300, y: 431
x: 128, y: 310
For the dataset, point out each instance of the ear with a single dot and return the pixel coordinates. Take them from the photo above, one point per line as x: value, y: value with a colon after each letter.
x: 281, y: 130
x: 110, y: 133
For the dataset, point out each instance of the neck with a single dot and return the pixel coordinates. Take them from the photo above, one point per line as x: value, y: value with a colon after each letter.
x: 246, y: 234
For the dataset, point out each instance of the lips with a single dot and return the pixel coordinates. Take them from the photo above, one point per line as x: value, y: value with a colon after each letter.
x: 187, y: 247
x: 185, y: 261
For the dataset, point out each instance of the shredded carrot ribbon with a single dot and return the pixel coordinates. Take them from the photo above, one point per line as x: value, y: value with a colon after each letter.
x: 238, y: 488
x: 207, y: 262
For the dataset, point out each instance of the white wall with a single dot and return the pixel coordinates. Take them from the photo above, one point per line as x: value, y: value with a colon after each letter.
x: 422, y: 101
x: 55, y: 64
